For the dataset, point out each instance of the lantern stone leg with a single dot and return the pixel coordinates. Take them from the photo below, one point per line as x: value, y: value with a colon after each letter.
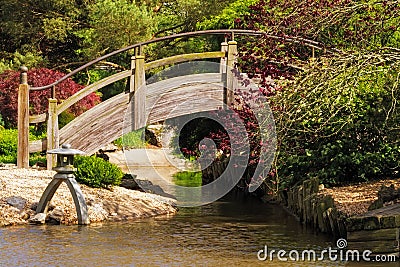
x: 79, y: 200
x: 77, y: 195
x: 65, y: 169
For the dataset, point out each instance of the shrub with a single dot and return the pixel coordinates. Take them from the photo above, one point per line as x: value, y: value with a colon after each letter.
x: 9, y: 146
x: 340, y: 122
x: 64, y: 118
x: 96, y: 172
x: 37, y: 158
x: 8, y: 142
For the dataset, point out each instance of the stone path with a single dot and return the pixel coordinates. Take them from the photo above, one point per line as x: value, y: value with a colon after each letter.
x: 154, y: 165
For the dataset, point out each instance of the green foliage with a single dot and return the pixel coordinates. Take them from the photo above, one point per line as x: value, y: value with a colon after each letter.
x: 64, y: 118
x: 8, y: 142
x: 227, y: 17
x: 9, y: 145
x: 192, y: 133
x: 183, y: 15
x: 339, y: 121
x: 37, y: 158
x: 41, y: 26
x: 30, y: 60
x: 57, y: 28
x: 1, y: 122
x: 179, y: 16
x: 134, y: 139
x: 96, y: 172
x: 188, y: 178
x: 113, y: 25
x: 8, y: 159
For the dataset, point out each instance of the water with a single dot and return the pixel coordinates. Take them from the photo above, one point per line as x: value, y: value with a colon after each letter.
x: 224, y: 233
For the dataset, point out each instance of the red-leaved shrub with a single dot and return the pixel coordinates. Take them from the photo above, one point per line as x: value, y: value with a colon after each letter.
x: 38, y: 100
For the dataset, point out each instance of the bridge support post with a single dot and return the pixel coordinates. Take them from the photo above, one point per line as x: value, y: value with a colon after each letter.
x: 138, y: 93
x: 230, y: 75
x: 23, y: 120
x: 52, y: 133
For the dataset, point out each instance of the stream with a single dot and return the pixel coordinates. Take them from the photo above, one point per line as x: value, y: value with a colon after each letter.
x: 228, y: 232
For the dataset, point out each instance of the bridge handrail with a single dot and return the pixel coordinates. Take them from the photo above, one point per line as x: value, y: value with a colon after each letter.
x: 121, y: 75
x: 232, y: 32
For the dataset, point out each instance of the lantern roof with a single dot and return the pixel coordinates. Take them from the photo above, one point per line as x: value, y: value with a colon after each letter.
x: 66, y: 150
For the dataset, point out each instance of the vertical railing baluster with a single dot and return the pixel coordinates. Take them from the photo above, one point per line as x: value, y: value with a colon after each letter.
x: 52, y: 133
x: 230, y: 75
x: 138, y: 93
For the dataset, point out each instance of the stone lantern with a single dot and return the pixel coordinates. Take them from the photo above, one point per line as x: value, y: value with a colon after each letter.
x: 65, y: 173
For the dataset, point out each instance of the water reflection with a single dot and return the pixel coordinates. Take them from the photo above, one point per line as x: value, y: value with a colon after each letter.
x: 222, y: 233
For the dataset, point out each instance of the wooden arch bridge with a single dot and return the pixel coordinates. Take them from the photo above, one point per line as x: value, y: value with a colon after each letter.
x: 104, y: 123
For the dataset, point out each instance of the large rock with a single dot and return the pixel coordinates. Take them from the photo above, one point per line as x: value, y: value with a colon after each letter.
x: 129, y: 182
x: 16, y: 202
x: 39, y: 218
x: 56, y: 215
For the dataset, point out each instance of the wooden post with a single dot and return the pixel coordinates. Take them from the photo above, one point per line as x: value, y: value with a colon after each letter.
x: 222, y: 69
x: 138, y: 102
x: 52, y: 133
x: 230, y: 76
x: 23, y: 120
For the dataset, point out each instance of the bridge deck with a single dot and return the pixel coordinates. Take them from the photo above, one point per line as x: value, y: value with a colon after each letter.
x: 164, y: 99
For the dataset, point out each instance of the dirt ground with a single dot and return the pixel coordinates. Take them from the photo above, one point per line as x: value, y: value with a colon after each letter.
x: 355, y: 199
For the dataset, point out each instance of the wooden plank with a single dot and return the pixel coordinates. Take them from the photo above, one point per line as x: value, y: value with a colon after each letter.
x: 23, y: 124
x: 186, y: 99
x: 37, y: 118
x: 38, y: 146
x: 155, y: 89
x: 183, y: 58
x: 90, y: 89
x: 98, y: 126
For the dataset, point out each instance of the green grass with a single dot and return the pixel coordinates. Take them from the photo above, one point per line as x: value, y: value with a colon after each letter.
x: 188, y: 179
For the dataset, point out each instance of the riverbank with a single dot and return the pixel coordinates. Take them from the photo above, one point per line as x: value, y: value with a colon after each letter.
x: 310, y: 198
x: 21, y: 189
x: 367, y: 215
